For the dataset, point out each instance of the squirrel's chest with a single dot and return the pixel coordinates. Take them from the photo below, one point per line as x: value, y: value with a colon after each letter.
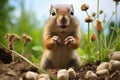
x: 61, y: 56
x: 61, y: 50
x: 64, y: 35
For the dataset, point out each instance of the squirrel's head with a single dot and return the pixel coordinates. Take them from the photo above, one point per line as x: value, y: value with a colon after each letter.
x: 62, y: 14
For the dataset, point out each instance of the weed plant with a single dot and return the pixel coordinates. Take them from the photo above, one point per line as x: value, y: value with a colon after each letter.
x: 99, y: 46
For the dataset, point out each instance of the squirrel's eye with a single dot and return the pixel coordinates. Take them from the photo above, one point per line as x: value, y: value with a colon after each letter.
x: 72, y: 13
x: 53, y: 13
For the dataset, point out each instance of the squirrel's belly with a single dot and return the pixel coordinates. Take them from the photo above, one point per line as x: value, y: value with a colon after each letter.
x: 61, y: 56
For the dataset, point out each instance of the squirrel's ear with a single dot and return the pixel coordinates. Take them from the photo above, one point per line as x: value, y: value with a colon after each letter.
x: 72, y: 6
x: 51, y: 8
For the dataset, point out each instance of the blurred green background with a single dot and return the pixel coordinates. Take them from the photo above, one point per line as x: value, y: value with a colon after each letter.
x: 26, y: 23
x: 15, y: 18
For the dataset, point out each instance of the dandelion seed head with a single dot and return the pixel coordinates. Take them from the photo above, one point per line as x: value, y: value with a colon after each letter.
x: 93, y: 14
x: 88, y: 19
x: 93, y: 37
x: 84, y: 7
x: 98, y: 26
x: 26, y: 38
x: 12, y: 37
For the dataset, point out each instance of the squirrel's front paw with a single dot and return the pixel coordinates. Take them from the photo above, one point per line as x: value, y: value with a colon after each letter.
x: 56, y: 40
x: 69, y: 40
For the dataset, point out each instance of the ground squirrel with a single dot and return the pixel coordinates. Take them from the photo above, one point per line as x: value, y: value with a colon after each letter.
x: 61, y: 38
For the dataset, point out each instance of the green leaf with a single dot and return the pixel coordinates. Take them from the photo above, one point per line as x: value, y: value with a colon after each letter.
x: 37, y: 48
x: 119, y: 31
x: 33, y: 59
x: 81, y: 51
x: 113, y: 28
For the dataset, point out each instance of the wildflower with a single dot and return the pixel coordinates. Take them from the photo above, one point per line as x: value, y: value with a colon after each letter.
x: 88, y: 19
x: 101, y: 11
x: 98, y: 26
x: 12, y: 37
x: 84, y: 7
x: 26, y: 38
x: 93, y: 14
x: 93, y: 37
x: 116, y: 0
x: 11, y: 40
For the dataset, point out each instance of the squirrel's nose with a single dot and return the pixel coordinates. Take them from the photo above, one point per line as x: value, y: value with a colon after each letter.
x: 63, y: 15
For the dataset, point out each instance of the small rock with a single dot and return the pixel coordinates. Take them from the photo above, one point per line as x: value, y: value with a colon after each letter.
x: 115, y: 56
x: 12, y: 73
x: 90, y: 75
x: 72, y: 73
x: 43, y: 77
x: 30, y: 75
x: 114, y: 65
x: 103, y: 73
x: 103, y: 65
x: 62, y: 75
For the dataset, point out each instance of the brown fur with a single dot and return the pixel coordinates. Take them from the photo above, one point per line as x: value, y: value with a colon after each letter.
x: 58, y: 54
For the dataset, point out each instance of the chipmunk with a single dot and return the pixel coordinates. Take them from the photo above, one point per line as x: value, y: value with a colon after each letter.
x: 61, y: 38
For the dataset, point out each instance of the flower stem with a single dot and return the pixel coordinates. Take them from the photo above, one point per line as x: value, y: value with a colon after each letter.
x: 109, y: 44
x: 88, y: 44
x: 108, y: 21
x: 87, y: 13
x: 116, y: 24
x: 98, y: 9
x: 99, y: 46
x: 11, y: 47
x: 103, y: 41
x: 89, y: 33
x: 116, y: 15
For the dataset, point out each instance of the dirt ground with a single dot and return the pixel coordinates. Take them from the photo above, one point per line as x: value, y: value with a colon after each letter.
x: 15, y: 70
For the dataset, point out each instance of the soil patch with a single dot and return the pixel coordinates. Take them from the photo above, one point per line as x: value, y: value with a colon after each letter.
x: 15, y: 70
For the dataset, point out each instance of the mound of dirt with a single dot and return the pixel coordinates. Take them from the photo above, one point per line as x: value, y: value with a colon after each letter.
x: 5, y: 55
x: 15, y: 70
x: 81, y: 73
